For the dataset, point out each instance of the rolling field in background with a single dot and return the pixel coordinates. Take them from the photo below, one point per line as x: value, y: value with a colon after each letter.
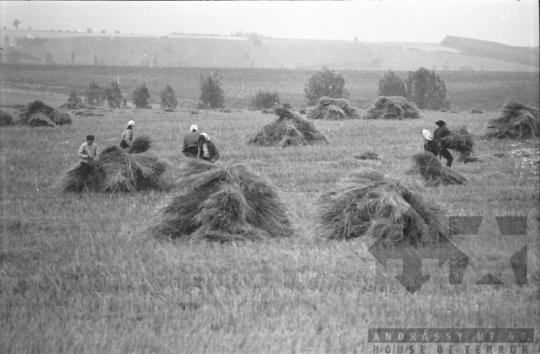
x: 80, y: 273
x: 465, y: 90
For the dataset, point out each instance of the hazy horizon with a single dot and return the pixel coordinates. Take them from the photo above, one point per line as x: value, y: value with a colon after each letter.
x: 505, y: 21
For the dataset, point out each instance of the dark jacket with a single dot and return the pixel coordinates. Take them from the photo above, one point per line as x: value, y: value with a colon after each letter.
x: 212, y: 151
x: 440, y: 133
x: 431, y: 146
x: 191, y: 139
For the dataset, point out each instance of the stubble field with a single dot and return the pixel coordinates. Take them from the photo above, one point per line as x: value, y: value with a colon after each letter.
x: 81, y: 274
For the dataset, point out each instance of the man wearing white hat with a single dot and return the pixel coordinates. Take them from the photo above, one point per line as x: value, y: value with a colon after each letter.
x: 127, y: 135
x: 191, y: 142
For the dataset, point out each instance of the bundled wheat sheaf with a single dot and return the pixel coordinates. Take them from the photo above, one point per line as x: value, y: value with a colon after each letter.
x: 223, y: 203
x: 369, y: 204
x: 459, y: 140
x: 39, y: 114
x: 121, y: 171
x: 518, y: 121
x: 435, y: 174
x: 333, y: 109
x: 393, y: 107
x: 290, y: 129
x: 5, y: 118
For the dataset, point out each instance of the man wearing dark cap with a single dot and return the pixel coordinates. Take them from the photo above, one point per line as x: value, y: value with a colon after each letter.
x: 88, y: 153
x: 438, y: 134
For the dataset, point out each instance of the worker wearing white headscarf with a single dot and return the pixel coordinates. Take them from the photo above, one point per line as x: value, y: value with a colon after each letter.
x: 429, y: 144
x: 191, y: 142
x: 207, y: 149
x: 127, y: 135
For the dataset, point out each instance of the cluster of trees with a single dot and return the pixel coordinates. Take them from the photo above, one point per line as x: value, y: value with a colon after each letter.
x: 423, y: 87
x: 112, y: 95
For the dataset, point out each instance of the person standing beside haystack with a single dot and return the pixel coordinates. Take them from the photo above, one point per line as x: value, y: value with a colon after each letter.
x: 438, y: 134
x: 207, y: 149
x: 127, y: 135
x: 429, y: 144
x: 191, y: 142
x: 88, y: 153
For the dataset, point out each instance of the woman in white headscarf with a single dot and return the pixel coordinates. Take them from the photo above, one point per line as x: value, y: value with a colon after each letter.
x: 127, y: 135
x: 207, y: 149
x: 190, y: 147
x: 429, y: 144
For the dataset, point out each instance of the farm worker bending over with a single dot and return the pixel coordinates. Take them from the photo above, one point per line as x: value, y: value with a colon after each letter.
x: 207, y: 149
x: 438, y: 134
x: 429, y: 144
x: 127, y: 135
x: 88, y: 153
x: 191, y: 142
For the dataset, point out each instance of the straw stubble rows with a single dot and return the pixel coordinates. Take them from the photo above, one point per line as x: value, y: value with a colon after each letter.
x: 81, y: 274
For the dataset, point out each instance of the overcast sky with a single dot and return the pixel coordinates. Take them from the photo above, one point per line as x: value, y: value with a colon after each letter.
x: 506, y: 21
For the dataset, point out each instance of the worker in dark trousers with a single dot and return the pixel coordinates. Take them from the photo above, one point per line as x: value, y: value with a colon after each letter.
x: 438, y: 134
x: 207, y: 149
x: 429, y: 144
x: 88, y: 153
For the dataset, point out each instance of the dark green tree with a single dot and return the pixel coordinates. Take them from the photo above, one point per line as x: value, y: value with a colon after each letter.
x: 95, y: 95
x: 168, y: 98
x: 426, y: 89
x: 16, y: 24
x: 265, y: 99
x: 212, y: 95
x: 113, y: 95
x: 325, y: 83
x: 141, y: 97
x: 392, y: 85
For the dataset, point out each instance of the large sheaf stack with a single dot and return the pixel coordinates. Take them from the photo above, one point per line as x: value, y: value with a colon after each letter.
x: 393, y: 107
x: 333, y: 109
x: 433, y: 172
x: 223, y: 203
x: 371, y: 205
x: 39, y: 114
x: 5, y: 118
x: 290, y: 129
x: 518, y: 121
x: 119, y: 170
x: 461, y: 141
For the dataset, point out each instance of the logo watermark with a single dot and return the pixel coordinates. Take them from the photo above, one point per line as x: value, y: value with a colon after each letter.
x: 451, y: 340
x: 445, y: 251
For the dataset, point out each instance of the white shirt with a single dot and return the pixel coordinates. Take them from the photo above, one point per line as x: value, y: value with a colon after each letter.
x: 86, y: 151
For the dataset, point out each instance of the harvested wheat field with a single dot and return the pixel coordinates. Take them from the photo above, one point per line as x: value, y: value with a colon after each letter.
x: 39, y: 114
x: 290, y: 129
x: 120, y: 170
x: 5, y: 118
x: 223, y: 203
x: 393, y: 107
x: 333, y: 109
x: 518, y: 121
x: 369, y: 204
x: 433, y: 172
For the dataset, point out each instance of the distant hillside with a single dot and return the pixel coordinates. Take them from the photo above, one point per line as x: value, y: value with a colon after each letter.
x: 46, y: 47
x: 476, y: 47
